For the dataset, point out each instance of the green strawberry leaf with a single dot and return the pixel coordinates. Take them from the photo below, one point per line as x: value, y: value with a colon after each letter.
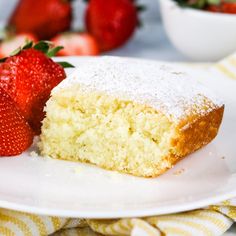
x: 65, y: 64
x: 42, y: 46
x: 3, y: 59
x: 199, y: 4
x: 141, y: 8
x: 28, y: 45
x: 53, y: 52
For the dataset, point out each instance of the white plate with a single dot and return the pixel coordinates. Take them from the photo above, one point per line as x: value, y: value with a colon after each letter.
x: 53, y: 187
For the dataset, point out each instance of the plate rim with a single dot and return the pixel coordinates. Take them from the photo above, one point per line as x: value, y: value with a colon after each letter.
x: 141, y: 212
x: 203, y: 203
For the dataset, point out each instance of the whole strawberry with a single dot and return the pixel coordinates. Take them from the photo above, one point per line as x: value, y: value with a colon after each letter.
x: 28, y: 77
x: 111, y: 22
x: 44, y: 18
x: 15, y: 133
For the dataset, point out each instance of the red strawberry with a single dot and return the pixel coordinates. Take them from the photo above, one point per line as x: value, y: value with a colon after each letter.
x: 111, y: 22
x: 9, y: 45
x: 228, y: 7
x: 28, y: 78
x: 44, y: 18
x: 76, y: 44
x: 15, y: 133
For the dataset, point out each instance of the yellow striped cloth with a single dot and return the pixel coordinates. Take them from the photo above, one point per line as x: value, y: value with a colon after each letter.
x: 227, y: 67
x: 210, y: 221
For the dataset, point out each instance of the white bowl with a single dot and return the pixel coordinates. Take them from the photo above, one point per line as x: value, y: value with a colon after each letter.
x: 200, y: 35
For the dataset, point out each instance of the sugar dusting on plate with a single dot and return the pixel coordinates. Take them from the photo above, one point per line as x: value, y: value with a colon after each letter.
x: 160, y: 86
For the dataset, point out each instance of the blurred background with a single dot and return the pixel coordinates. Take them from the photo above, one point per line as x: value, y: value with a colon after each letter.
x: 149, y: 41
x: 208, y: 34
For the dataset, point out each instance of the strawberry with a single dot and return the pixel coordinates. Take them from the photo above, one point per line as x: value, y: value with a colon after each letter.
x: 76, y: 44
x: 15, y: 133
x: 111, y: 22
x: 223, y: 7
x: 228, y: 7
x: 44, y: 18
x: 28, y: 77
x: 10, y: 44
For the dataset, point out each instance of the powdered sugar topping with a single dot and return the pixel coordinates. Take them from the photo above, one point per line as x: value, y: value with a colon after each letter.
x: 149, y: 82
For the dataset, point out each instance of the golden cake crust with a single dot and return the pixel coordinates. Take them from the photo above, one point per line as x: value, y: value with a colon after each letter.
x: 197, y: 134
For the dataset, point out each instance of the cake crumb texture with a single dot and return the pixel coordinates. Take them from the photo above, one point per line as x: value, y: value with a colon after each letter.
x: 118, y: 134
x: 132, y: 116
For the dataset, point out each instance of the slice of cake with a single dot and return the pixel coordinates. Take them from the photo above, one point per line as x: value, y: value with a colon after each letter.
x: 128, y: 115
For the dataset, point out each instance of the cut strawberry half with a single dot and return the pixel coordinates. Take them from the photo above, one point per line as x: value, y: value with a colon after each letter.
x: 8, y: 45
x: 76, y: 44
